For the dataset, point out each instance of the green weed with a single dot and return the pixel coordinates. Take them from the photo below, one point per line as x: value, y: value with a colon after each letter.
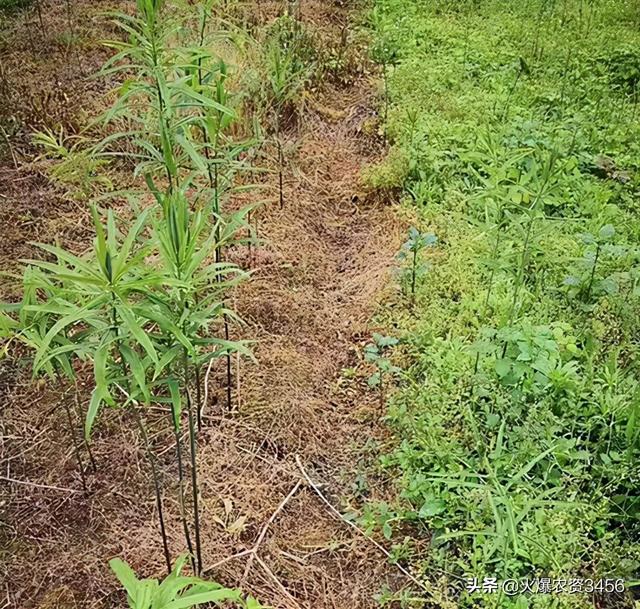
x: 515, y: 415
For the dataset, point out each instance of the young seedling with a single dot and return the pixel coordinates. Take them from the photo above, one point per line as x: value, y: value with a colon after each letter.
x: 73, y: 166
x: 522, y: 69
x: 376, y: 353
x: 581, y: 285
x: 410, y: 253
x: 288, y: 70
x: 385, y: 53
x: 176, y: 591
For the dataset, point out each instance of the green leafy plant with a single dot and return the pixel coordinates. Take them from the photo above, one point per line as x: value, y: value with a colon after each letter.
x: 376, y: 353
x: 515, y: 422
x: 88, y: 307
x: 176, y: 591
x: 586, y: 283
x: 73, y: 165
x: 289, y: 65
x: 146, y: 305
x: 384, y: 52
x: 411, y: 252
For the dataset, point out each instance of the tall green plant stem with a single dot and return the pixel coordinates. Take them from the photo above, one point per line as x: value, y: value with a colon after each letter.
x: 194, y: 467
x: 485, y: 304
x: 386, y: 100
x: 183, y: 514
x: 593, y: 272
x: 534, y: 51
x: 507, y: 103
x: 162, y: 103
x: 414, y: 271
x: 520, y: 276
x: 524, y: 259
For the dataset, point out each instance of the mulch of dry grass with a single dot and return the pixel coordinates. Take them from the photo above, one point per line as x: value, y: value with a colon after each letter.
x: 318, y: 277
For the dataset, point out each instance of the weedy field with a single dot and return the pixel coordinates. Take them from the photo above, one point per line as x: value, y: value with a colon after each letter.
x: 319, y: 303
x: 514, y: 137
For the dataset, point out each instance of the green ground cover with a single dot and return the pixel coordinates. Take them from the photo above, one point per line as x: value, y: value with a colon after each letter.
x: 514, y: 135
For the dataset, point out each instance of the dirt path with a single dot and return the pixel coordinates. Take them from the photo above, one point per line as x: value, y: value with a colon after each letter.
x: 319, y: 276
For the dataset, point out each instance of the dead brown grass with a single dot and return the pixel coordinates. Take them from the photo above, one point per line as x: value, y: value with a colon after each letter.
x: 318, y: 278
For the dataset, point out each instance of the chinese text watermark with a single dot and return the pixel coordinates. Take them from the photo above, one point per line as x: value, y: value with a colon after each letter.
x: 543, y: 585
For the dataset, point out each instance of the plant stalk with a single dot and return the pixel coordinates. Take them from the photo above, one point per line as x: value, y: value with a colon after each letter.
x: 194, y: 468
x: 156, y: 485
x: 185, y: 526
x: 74, y: 437
x: 593, y: 273
x: 145, y: 437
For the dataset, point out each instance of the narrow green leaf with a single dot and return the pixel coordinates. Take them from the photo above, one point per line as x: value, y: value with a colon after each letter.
x: 138, y: 332
x: 176, y: 402
x: 92, y: 411
x: 125, y: 575
x: 137, y: 370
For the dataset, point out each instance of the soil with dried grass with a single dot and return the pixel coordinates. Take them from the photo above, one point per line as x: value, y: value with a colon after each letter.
x: 319, y: 274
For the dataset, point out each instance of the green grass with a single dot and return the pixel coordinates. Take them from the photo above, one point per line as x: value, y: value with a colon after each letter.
x: 14, y: 5
x: 518, y: 415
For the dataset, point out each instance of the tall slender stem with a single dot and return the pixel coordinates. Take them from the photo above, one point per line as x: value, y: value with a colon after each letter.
x: 74, y: 437
x: 386, y: 101
x: 214, y: 183
x: 280, y: 169
x: 156, y: 485
x: 198, y: 382
x: 520, y: 276
x: 194, y: 467
x: 40, y: 19
x: 185, y: 526
x: 593, y: 273
x: 413, y: 275
x: 485, y: 304
x: 525, y: 247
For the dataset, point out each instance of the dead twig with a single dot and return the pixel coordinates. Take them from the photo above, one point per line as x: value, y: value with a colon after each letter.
x: 205, y: 398
x: 280, y: 585
x: 35, y: 485
x: 353, y: 526
x: 252, y: 553
x: 226, y: 560
x: 263, y: 532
